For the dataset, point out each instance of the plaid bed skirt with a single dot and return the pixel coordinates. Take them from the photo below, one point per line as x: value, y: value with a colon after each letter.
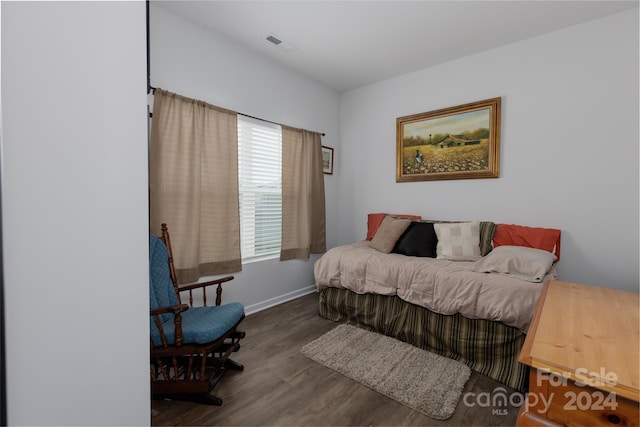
x: 488, y: 347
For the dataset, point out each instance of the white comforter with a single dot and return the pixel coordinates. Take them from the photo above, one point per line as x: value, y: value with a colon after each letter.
x: 442, y: 286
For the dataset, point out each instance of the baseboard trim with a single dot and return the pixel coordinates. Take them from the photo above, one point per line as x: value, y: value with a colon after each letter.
x: 271, y: 302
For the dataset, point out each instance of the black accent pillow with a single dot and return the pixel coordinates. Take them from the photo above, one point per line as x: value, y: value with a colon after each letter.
x: 419, y: 239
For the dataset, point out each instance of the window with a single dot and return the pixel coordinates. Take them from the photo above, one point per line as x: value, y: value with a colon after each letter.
x: 260, y: 186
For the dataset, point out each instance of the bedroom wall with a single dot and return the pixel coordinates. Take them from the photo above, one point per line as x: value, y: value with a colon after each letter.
x: 569, y: 146
x: 194, y: 62
x: 75, y: 216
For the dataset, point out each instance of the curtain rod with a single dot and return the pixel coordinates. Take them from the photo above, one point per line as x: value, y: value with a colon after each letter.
x: 151, y: 89
x: 268, y: 121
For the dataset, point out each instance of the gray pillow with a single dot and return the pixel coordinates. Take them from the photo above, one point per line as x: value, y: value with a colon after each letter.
x: 518, y: 261
x: 388, y: 234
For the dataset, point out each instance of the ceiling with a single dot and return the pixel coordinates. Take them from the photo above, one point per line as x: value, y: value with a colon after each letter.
x: 349, y: 44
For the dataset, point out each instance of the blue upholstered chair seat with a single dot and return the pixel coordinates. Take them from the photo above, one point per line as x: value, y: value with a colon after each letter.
x: 201, y: 325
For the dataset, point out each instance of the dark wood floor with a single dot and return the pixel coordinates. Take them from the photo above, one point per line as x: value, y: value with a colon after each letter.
x: 281, y: 387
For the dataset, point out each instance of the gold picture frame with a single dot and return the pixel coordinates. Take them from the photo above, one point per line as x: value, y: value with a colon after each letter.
x: 461, y: 142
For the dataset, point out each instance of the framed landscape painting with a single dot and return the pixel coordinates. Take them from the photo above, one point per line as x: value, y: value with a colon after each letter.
x: 461, y: 142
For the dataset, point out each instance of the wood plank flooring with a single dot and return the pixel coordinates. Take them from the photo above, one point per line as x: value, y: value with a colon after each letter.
x: 281, y: 387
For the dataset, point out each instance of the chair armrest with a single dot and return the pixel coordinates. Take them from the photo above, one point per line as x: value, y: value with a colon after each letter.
x: 175, y: 309
x: 177, y: 322
x: 203, y: 286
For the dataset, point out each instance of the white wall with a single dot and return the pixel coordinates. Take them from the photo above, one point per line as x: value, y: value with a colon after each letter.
x: 194, y: 62
x: 569, y: 146
x: 75, y: 216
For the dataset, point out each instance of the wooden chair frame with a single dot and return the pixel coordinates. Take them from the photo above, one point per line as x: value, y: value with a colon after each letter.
x: 190, y: 371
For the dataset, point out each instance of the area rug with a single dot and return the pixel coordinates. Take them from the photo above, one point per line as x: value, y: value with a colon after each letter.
x: 426, y: 382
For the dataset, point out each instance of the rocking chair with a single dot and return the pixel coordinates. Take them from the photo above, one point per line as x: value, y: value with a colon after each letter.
x: 190, y: 346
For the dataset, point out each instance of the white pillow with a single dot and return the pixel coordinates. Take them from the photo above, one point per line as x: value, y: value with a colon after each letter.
x: 459, y: 241
x: 518, y: 261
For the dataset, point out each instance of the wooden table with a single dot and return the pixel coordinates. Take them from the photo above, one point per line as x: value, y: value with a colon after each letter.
x: 584, y: 353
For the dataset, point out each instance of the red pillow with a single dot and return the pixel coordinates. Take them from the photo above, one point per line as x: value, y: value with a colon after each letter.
x: 375, y: 219
x: 547, y: 239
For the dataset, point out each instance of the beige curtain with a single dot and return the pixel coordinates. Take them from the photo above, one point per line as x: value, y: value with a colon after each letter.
x: 193, y: 181
x: 303, y: 209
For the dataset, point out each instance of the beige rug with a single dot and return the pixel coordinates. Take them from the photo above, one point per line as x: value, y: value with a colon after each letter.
x: 424, y: 381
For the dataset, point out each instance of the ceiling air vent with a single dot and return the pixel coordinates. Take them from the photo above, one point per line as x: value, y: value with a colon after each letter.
x: 273, y: 39
x: 284, y: 45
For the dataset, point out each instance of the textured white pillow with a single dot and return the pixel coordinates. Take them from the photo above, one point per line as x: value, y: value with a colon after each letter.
x: 458, y: 241
x: 388, y: 234
x: 518, y: 261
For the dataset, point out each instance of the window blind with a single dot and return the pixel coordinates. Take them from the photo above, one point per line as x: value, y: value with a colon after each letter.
x: 260, y: 187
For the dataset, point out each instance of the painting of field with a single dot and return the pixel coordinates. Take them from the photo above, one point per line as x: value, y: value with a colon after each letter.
x: 459, y: 142
x: 422, y: 159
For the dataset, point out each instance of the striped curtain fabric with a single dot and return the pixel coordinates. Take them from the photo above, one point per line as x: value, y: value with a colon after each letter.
x: 303, y: 203
x: 193, y: 184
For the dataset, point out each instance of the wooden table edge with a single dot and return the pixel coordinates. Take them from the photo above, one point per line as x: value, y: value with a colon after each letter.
x: 525, y: 352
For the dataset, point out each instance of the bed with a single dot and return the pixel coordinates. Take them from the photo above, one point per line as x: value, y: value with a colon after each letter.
x: 474, y: 307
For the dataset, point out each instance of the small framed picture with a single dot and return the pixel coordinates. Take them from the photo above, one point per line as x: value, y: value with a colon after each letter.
x: 327, y: 160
